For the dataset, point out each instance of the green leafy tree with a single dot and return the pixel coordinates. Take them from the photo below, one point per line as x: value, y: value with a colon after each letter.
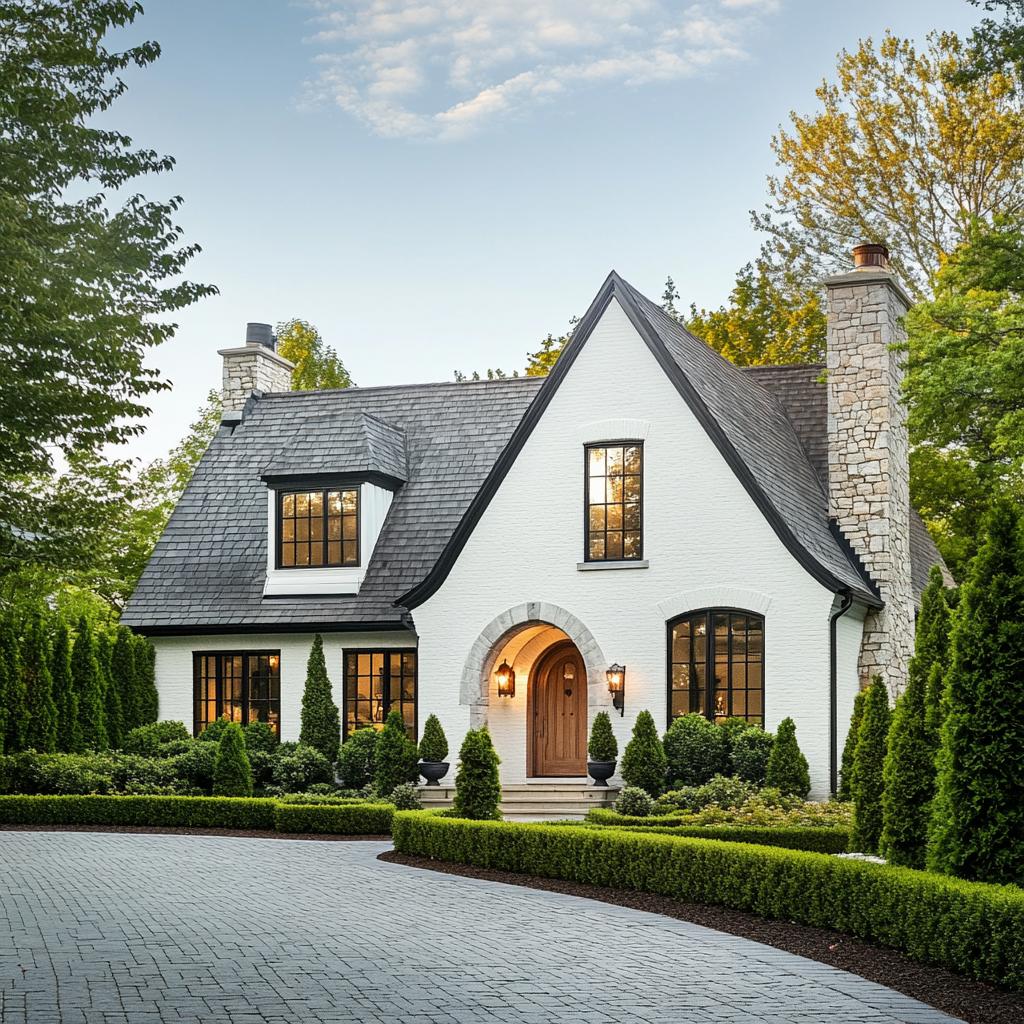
x: 695, y: 750
x: 122, y: 672
x: 395, y: 757
x: 87, y: 679
x: 644, y: 762
x: 12, y: 688
x: 669, y: 297
x: 35, y: 668
x: 433, y: 742
x: 868, y: 762
x: 317, y: 364
x: 850, y: 748
x: 770, y: 320
x: 87, y: 290
x: 995, y: 46
x: 232, y: 773
x: 977, y: 829
x: 321, y: 721
x: 787, y: 767
x: 477, y: 783
x: 69, y: 738
x: 602, y: 746
x: 542, y: 362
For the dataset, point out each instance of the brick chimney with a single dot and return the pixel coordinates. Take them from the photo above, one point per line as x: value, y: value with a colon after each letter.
x: 869, y: 459
x: 254, y: 366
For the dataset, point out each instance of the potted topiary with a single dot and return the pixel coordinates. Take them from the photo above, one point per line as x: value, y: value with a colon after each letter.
x: 602, y: 749
x: 433, y: 751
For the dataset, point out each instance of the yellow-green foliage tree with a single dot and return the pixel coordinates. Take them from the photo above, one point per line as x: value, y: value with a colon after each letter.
x: 317, y: 364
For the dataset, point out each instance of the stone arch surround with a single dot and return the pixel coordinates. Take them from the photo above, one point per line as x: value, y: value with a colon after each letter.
x: 474, y: 690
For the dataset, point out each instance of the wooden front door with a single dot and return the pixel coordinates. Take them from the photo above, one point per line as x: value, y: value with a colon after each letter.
x: 558, y: 714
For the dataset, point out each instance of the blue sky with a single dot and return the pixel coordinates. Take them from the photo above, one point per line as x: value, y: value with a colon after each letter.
x: 439, y: 183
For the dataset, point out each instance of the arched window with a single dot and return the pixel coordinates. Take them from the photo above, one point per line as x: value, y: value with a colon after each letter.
x: 716, y: 665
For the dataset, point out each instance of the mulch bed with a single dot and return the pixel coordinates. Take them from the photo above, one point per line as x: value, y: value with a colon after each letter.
x: 972, y: 1001
x: 147, y: 830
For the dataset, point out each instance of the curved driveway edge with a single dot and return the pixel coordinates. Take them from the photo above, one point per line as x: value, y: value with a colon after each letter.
x: 127, y: 929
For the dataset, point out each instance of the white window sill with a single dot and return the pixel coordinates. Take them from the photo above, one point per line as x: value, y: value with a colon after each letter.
x: 631, y: 563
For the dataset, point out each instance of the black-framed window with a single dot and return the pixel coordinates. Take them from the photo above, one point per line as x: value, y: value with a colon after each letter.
x: 613, y: 526
x: 318, y: 528
x: 716, y: 665
x: 244, y: 686
x: 377, y: 681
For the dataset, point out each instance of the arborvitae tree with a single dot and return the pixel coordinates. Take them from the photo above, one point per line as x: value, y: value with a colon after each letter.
x: 16, y: 728
x: 908, y: 776
x: 868, y: 760
x: 122, y: 671
x: 477, y: 783
x: 321, y: 722
x: 87, y: 679
x: 977, y: 828
x: 433, y: 742
x: 395, y: 758
x: 232, y: 773
x: 787, y: 767
x: 69, y: 736
x: 145, y: 680
x: 112, y: 714
x: 931, y: 648
x: 849, y: 748
x: 643, y: 761
x: 35, y: 670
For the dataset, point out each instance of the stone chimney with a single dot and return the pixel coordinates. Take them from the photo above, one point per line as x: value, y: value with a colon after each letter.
x: 254, y: 366
x: 869, y: 458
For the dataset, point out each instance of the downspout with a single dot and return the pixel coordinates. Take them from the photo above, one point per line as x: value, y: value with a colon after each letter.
x: 833, y: 723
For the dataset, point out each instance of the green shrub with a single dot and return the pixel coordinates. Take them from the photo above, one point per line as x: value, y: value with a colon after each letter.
x: 787, y: 837
x: 850, y: 747
x: 931, y: 651
x: 260, y: 736
x: 635, y: 802
x: 39, y: 702
x: 69, y: 738
x: 696, y: 750
x: 232, y: 775
x: 395, y: 758
x: 868, y: 760
x: 214, y: 732
x: 262, y: 764
x: 751, y: 751
x: 158, y: 739
x: 787, y: 767
x: 356, y: 757
x: 433, y: 743
x: 477, y: 784
x: 113, y: 715
x: 365, y: 819
x: 721, y: 791
x: 603, y: 745
x: 731, y: 729
x: 12, y: 689
x: 144, y: 658
x: 405, y: 797
x: 167, y: 811
x: 123, y: 676
x: 296, y: 767
x: 197, y: 765
x: 321, y: 721
x: 88, y: 680
x: 969, y: 927
x: 644, y: 762
x: 337, y: 799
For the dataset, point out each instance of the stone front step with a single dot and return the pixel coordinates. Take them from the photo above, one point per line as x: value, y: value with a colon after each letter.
x: 536, y: 801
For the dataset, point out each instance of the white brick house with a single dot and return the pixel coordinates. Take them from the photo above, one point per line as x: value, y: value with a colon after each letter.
x: 741, y: 541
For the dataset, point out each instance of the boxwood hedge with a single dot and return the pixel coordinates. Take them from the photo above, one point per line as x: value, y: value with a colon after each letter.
x: 971, y: 927
x: 817, y: 840
x: 327, y: 819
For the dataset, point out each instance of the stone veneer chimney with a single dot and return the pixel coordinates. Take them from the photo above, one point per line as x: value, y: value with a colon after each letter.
x: 868, y: 451
x: 254, y: 366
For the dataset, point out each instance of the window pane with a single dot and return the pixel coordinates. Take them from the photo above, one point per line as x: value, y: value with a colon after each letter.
x: 349, y: 502
x: 597, y: 462
x: 316, y: 504
x: 334, y: 503
x: 613, y: 545
x: 632, y: 460
x: 631, y: 544
x: 614, y: 517
x: 288, y: 505
x: 302, y: 505
x: 349, y: 528
x: 597, y: 547
x: 597, y: 517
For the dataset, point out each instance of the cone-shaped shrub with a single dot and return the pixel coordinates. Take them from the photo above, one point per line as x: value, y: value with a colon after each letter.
x: 87, y: 679
x: 868, y: 761
x: 395, y: 757
x: 908, y: 776
x: 845, y: 791
x: 69, y: 738
x: 602, y: 746
x: 477, y: 783
x: 12, y: 687
x: 977, y: 827
x: 112, y: 716
x: 695, y: 750
x: 433, y: 742
x: 232, y: 774
x: 321, y: 722
x: 35, y: 669
x: 644, y: 762
x: 122, y: 671
x: 931, y: 648
x: 144, y: 656
x: 787, y: 767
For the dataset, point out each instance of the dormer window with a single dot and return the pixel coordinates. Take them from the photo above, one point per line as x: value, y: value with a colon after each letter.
x: 318, y: 528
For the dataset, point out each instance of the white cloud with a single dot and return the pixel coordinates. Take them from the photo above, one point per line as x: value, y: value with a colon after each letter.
x: 442, y: 69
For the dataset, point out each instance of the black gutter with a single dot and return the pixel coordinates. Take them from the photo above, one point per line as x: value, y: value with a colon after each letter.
x: 274, y: 627
x: 833, y: 712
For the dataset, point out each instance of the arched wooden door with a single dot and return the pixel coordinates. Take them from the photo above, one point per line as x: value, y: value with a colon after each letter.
x: 557, y: 714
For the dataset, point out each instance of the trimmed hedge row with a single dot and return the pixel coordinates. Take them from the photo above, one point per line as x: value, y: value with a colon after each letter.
x: 788, y: 837
x: 334, y: 819
x: 971, y: 927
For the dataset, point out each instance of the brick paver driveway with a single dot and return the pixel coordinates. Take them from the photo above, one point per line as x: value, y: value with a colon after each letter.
x: 101, y: 928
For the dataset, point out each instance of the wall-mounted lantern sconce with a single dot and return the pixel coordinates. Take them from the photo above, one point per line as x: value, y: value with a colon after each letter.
x: 506, y: 678
x: 616, y: 675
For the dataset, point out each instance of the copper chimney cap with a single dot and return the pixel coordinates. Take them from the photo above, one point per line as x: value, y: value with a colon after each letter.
x: 869, y: 256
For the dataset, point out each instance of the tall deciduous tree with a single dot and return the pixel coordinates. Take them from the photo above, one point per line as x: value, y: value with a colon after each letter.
x: 317, y: 364
x: 900, y: 152
x: 995, y: 45
x: 87, y: 678
x: 35, y: 668
x: 321, y: 721
x: 868, y: 761
x: 977, y: 827
x: 69, y: 738
x: 86, y: 289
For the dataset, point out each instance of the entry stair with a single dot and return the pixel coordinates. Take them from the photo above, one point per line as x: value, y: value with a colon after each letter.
x: 535, y: 801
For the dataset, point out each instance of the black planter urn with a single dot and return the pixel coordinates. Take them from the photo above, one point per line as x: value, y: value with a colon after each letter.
x: 433, y: 771
x: 601, y: 771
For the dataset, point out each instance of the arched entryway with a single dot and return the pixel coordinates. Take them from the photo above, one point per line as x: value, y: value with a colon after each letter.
x: 556, y: 717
